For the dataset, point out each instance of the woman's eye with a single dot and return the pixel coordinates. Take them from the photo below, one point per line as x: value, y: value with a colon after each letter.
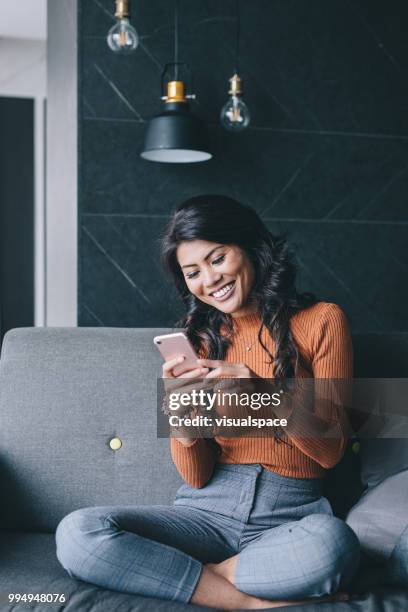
x: 215, y: 262
x: 219, y: 260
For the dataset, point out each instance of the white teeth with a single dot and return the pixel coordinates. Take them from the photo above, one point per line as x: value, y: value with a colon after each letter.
x: 223, y: 291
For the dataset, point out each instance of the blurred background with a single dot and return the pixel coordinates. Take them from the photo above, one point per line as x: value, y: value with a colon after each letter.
x: 324, y: 159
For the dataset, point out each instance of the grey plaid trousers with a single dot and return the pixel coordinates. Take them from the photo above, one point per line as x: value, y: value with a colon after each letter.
x: 290, y: 545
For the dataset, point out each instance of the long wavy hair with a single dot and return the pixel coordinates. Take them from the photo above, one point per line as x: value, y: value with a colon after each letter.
x: 224, y: 220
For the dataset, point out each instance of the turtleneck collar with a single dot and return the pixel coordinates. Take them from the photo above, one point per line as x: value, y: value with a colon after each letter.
x: 249, y: 321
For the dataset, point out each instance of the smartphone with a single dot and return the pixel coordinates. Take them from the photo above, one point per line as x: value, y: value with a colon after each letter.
x: 177, y: 345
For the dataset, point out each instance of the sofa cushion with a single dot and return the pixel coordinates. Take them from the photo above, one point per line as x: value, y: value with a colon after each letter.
x: 382, y: 458
x: 64, y: 394
x: 383, y: 356
x: 28, y: 565
x: 381, y: 515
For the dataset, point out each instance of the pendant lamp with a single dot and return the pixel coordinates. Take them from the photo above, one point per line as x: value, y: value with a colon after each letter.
x: 176, y: 135
x: 235, y: 115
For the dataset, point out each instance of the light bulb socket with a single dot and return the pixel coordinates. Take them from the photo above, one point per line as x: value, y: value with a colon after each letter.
x: 236, y: 86
x: 122, y: 9
x: 175, y: 92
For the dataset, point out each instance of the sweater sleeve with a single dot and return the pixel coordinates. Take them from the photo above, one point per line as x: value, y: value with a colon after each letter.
x: 194, y: 463
x: 321, y: 432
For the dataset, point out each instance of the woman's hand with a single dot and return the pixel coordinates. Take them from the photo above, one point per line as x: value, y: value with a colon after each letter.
x: 226, y: 370
x: 181, y: 383
x: 168, y: 367
x: 231, y: 371
x: 231, y: 378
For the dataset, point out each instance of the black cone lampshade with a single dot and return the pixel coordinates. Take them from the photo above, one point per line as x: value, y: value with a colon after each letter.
x: 176, y: 135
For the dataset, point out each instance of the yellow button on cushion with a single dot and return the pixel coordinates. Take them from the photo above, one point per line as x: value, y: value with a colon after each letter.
x: 115, y: 443
x: 356, y: 447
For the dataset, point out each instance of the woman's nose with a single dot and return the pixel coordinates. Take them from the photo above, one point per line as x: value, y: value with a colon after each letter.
x: 211, y: 278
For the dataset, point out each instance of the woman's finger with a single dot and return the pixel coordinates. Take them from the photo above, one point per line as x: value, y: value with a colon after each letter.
x: 169, y: 365
x: 182, y: 382
x: 211, y: 363
x: 214, y: 373
x: 223, y: 371
x: 197, y: 373
x: 187, y: 379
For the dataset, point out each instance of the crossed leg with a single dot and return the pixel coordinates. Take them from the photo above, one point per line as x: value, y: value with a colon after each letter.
x: 310, y: 558
x: 154, y: 551
x: 160, y: 551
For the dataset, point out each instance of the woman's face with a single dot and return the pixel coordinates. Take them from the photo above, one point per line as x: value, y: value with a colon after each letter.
x: 220, y: 275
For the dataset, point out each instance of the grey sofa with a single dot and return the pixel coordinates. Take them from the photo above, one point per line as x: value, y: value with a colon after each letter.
x: 64, y: 395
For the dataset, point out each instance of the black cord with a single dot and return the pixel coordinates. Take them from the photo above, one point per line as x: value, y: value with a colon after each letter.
x: 238, y: 35
x: 176, y: 38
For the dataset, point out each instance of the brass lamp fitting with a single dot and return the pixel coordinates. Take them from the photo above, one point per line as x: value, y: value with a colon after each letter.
x: 235, y: 86
x: 122, y: 9
x: 175, y: 92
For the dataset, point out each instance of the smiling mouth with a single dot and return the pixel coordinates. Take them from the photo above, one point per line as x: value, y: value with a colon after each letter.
x: 223, y: 293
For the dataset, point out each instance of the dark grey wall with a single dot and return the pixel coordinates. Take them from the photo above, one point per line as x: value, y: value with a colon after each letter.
x: 325, y: 159
x: 16, y: 213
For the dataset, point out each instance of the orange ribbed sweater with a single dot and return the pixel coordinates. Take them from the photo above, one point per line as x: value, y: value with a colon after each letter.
x: 322, y: 336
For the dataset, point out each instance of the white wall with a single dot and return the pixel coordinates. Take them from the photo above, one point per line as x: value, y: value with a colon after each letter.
x: 62, y: 161
x: 23, y: 71
x: 23, y: 19
x: 23, y: 74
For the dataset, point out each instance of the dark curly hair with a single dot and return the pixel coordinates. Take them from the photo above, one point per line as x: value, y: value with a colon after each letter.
x: 224, y: 220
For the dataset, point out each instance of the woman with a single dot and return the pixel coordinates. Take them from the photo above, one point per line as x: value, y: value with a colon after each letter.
x: 250, y: 528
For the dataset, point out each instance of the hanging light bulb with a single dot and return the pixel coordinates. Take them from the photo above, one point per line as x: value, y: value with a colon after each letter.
x: 122, y: 37
x: 235, y: 115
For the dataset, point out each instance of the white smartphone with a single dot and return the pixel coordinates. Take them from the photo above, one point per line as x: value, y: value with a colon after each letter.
x: 176, y: 345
